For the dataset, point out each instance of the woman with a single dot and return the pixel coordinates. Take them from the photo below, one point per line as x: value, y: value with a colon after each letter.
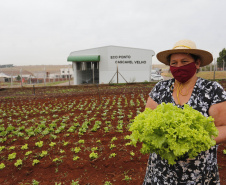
x: 207, y: 97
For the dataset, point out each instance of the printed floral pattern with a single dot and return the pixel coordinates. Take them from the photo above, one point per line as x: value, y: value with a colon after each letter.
x: 202, y: 170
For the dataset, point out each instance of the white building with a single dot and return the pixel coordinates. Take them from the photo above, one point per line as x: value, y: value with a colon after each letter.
x: 4, y: 77
x: 66, y: 72
x: 99, y: 65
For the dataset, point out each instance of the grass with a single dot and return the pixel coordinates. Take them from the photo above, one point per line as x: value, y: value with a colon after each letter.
x: 5, y: 84
x: 55, y: 83
x: 210, y: 74
x: 205, y: 74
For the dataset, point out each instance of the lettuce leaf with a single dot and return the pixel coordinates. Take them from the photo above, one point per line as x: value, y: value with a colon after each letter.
x: 172, y: 132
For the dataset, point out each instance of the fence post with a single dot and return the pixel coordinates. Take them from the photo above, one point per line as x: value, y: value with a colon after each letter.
x: 21, y: 78
x: 44, y: 76
x: 34, y: 89
x: 223, y: 64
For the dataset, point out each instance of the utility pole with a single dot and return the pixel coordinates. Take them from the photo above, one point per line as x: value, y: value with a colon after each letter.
x: 93, y: 71
x: 223, y: 64
x: 30, y: 79
x: 69, y: 76
x: 44, y: 75
x: 11, y: 78
x: 117, y: 73
x: 21, y: 78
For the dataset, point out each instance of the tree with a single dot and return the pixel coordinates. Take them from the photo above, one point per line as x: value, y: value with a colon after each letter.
x: 18, y: 78
x: 221, y: 58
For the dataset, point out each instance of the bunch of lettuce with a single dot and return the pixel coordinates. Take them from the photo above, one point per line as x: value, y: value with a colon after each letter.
x: 172, y: 132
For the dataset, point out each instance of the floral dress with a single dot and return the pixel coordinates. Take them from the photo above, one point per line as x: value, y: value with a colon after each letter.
x: 202, y: 170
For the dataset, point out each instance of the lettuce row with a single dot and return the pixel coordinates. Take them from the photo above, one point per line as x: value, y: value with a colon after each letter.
x: 172, y: 132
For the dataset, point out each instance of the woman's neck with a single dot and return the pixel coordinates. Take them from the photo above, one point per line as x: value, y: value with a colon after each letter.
x: 182, y: 91
x: 190, y: 83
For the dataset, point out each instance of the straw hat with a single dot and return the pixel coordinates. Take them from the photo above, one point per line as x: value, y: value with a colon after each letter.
x: 188, y: 47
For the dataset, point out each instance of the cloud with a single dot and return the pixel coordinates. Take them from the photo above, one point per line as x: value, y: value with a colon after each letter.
x: 45, y: 32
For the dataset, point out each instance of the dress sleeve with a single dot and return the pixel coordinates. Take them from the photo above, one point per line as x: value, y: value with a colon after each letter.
x: 154, y: 94
x: 219, y: 94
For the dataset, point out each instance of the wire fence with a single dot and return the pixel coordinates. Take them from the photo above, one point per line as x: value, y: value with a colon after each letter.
x: 28, y: 82
x: 18, y: 78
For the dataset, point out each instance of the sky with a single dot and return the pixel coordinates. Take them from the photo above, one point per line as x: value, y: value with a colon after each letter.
x: 45, y: 32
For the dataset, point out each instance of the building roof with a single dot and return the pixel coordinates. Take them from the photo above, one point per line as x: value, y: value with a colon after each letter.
x: 110, y: 46
x: 14, y: 71
x: 114, y: 46
x: 2, y: 75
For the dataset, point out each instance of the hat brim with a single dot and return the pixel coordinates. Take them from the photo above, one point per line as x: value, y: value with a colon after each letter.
x: 205, y: 56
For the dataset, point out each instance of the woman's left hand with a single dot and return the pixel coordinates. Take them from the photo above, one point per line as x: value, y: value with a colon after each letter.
x: 218, y: 112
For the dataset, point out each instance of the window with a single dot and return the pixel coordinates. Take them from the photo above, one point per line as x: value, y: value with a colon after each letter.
x: 88, y: 65
x: 79, y: 66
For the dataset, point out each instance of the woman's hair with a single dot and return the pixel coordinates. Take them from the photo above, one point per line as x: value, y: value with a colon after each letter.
x: 195, y: 57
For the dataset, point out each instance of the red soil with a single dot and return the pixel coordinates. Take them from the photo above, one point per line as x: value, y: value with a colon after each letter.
x: 121, y: 169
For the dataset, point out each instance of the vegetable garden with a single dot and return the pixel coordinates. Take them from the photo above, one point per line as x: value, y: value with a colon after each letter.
x: 74, y: 135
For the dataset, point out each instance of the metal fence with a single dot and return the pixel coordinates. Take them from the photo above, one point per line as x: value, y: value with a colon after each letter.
x: 27, y: 82
x: 43, y: 78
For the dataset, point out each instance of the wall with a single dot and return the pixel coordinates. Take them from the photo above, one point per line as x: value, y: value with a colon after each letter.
x: 133, y: 64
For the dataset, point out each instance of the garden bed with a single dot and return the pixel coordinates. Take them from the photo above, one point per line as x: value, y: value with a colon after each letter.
x: 74, y: 134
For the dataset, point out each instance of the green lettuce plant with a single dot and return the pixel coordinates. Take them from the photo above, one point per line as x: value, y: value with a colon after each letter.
x: 28, y: 153
x: 18, y: 163
x: 76, y: 158
x: 112, y: 146
x: 35, y: 161
x: 43, y: 154
x: 76, y: 149
x: 93, y: 155
x: 24, y: 147
x: 172, y: 132
x: 52, y: 144
x: 11, y: 156
x: 224, y: 152
x: 39, y: 144
x: 2, y: 148
x: 2, y: 166
x: 112, y: 155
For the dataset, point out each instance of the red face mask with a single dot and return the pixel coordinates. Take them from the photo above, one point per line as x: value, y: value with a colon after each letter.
x: 183, y: 73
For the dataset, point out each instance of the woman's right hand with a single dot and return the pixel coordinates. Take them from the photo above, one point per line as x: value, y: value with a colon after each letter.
x: 151, y: 104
